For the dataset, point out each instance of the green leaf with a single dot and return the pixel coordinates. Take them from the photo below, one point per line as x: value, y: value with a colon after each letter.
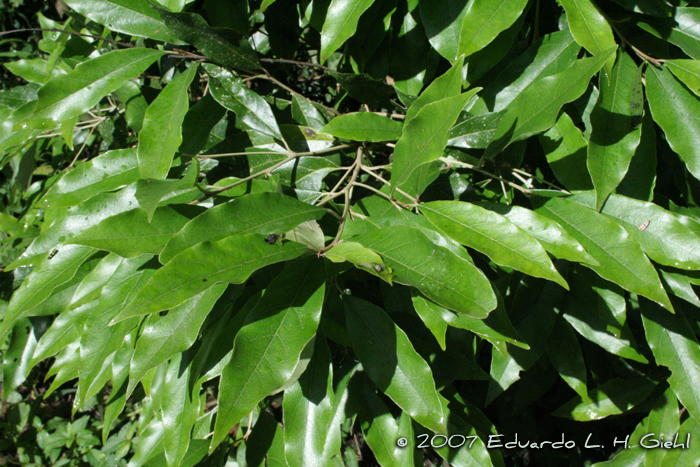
x: 364, y: 126
x: 129, y: 234
x: 99, y: 341
x: 267, y: 348
x: 67, y: 96
x: 381, y: 430
x: 251, y: 110
x: 552, y: 236
x: 66, y: 328
x: 75, y: 220
x: 662, y: 236
x: 21, y: 347
x: 33, y: 70
x: 101, y: 174
x: 494, y: 235
x: 596, y: 310
x: 391, y: 362
x: 681, y: 30
x: 196, y: 269
x: 261, y: 213
x: 679, y: 457
x: 362, y: 257
x: 675, y: 346
x: 174, y: 333
x: 549, y: 55
x: 133, y: 17
x: 613, y: 397
x: 677, y: 112
x: 179, y: 409
x: 442, y: 21
x: 222, y: 46
x: 664, y: 420
x: 152, y: 193
x: 484, y: 20
x: 565, y: 354
x: 424, y: 138
x: 566, y: 152
x: 475, y: 132
x: 306, y: 113
x: 640, y: 180
x: 309, y: 412
x: 496, y: 328
x: 199, y: 123
x: 44, y: 279
x: 449, y: 84
x: 340, y: 24
x: 687, y: 71
x: 614, y: 137
x: 621, y: 258
x: 590, y: 28
x: 446, y: 279
x: 537, y: 107
x: 161, y: 134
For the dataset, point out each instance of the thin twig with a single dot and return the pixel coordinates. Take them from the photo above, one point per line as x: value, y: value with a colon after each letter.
x: 81, y: 148
x: 294, y: 62
x: 365, y: 169
x: 489, y: 174
x: 348, y: 190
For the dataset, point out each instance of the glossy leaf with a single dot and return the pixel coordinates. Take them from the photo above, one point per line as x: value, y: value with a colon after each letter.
x: 620, y: 256
x: 475, y: 132
x: 553, y: 237
x: 250, y: 108
x: 443, y: 25
x: 179, y: 409
x: 676, y: 111
x: 610, y: 398
x: 364, y: 126
x: 500, y: 239
x: 340, y: 24
x: 664, y: 239
x: 67, y: 96
x: 614, y: 137
x: 310, y: 410
x: 391, y: 362
x: 674, y: 346
x: 589, y: 27
x: 267, y: 348
x: 565, y: 354
x: 688, y: 71
x: 103, y: 173
x: 43, y: 280
x: 664, y: 420
x: 134, y: 17
x: 75, y: 220
x: 484, y: 20
x: 222, y: 46
x: 196, y: 269
x: 449, y: 84
x: 424, y: 138
x: 161, y: 134
x: 447, y: 280
x: 129, y: 234
x: 537, y: 107
x: 548, y: 56
x: 174, y: 333
x: 566, y: 152
x: 362, y: 257
x: 260, y: 213
x: 496, y: 328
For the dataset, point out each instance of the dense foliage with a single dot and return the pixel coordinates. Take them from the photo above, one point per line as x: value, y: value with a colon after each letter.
x: 341, y: 232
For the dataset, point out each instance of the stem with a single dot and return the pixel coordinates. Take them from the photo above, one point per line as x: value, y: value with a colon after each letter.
x: 366, y: 170
x: 348, y: 190
x: 297, y: 63
x: 489, y: 174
